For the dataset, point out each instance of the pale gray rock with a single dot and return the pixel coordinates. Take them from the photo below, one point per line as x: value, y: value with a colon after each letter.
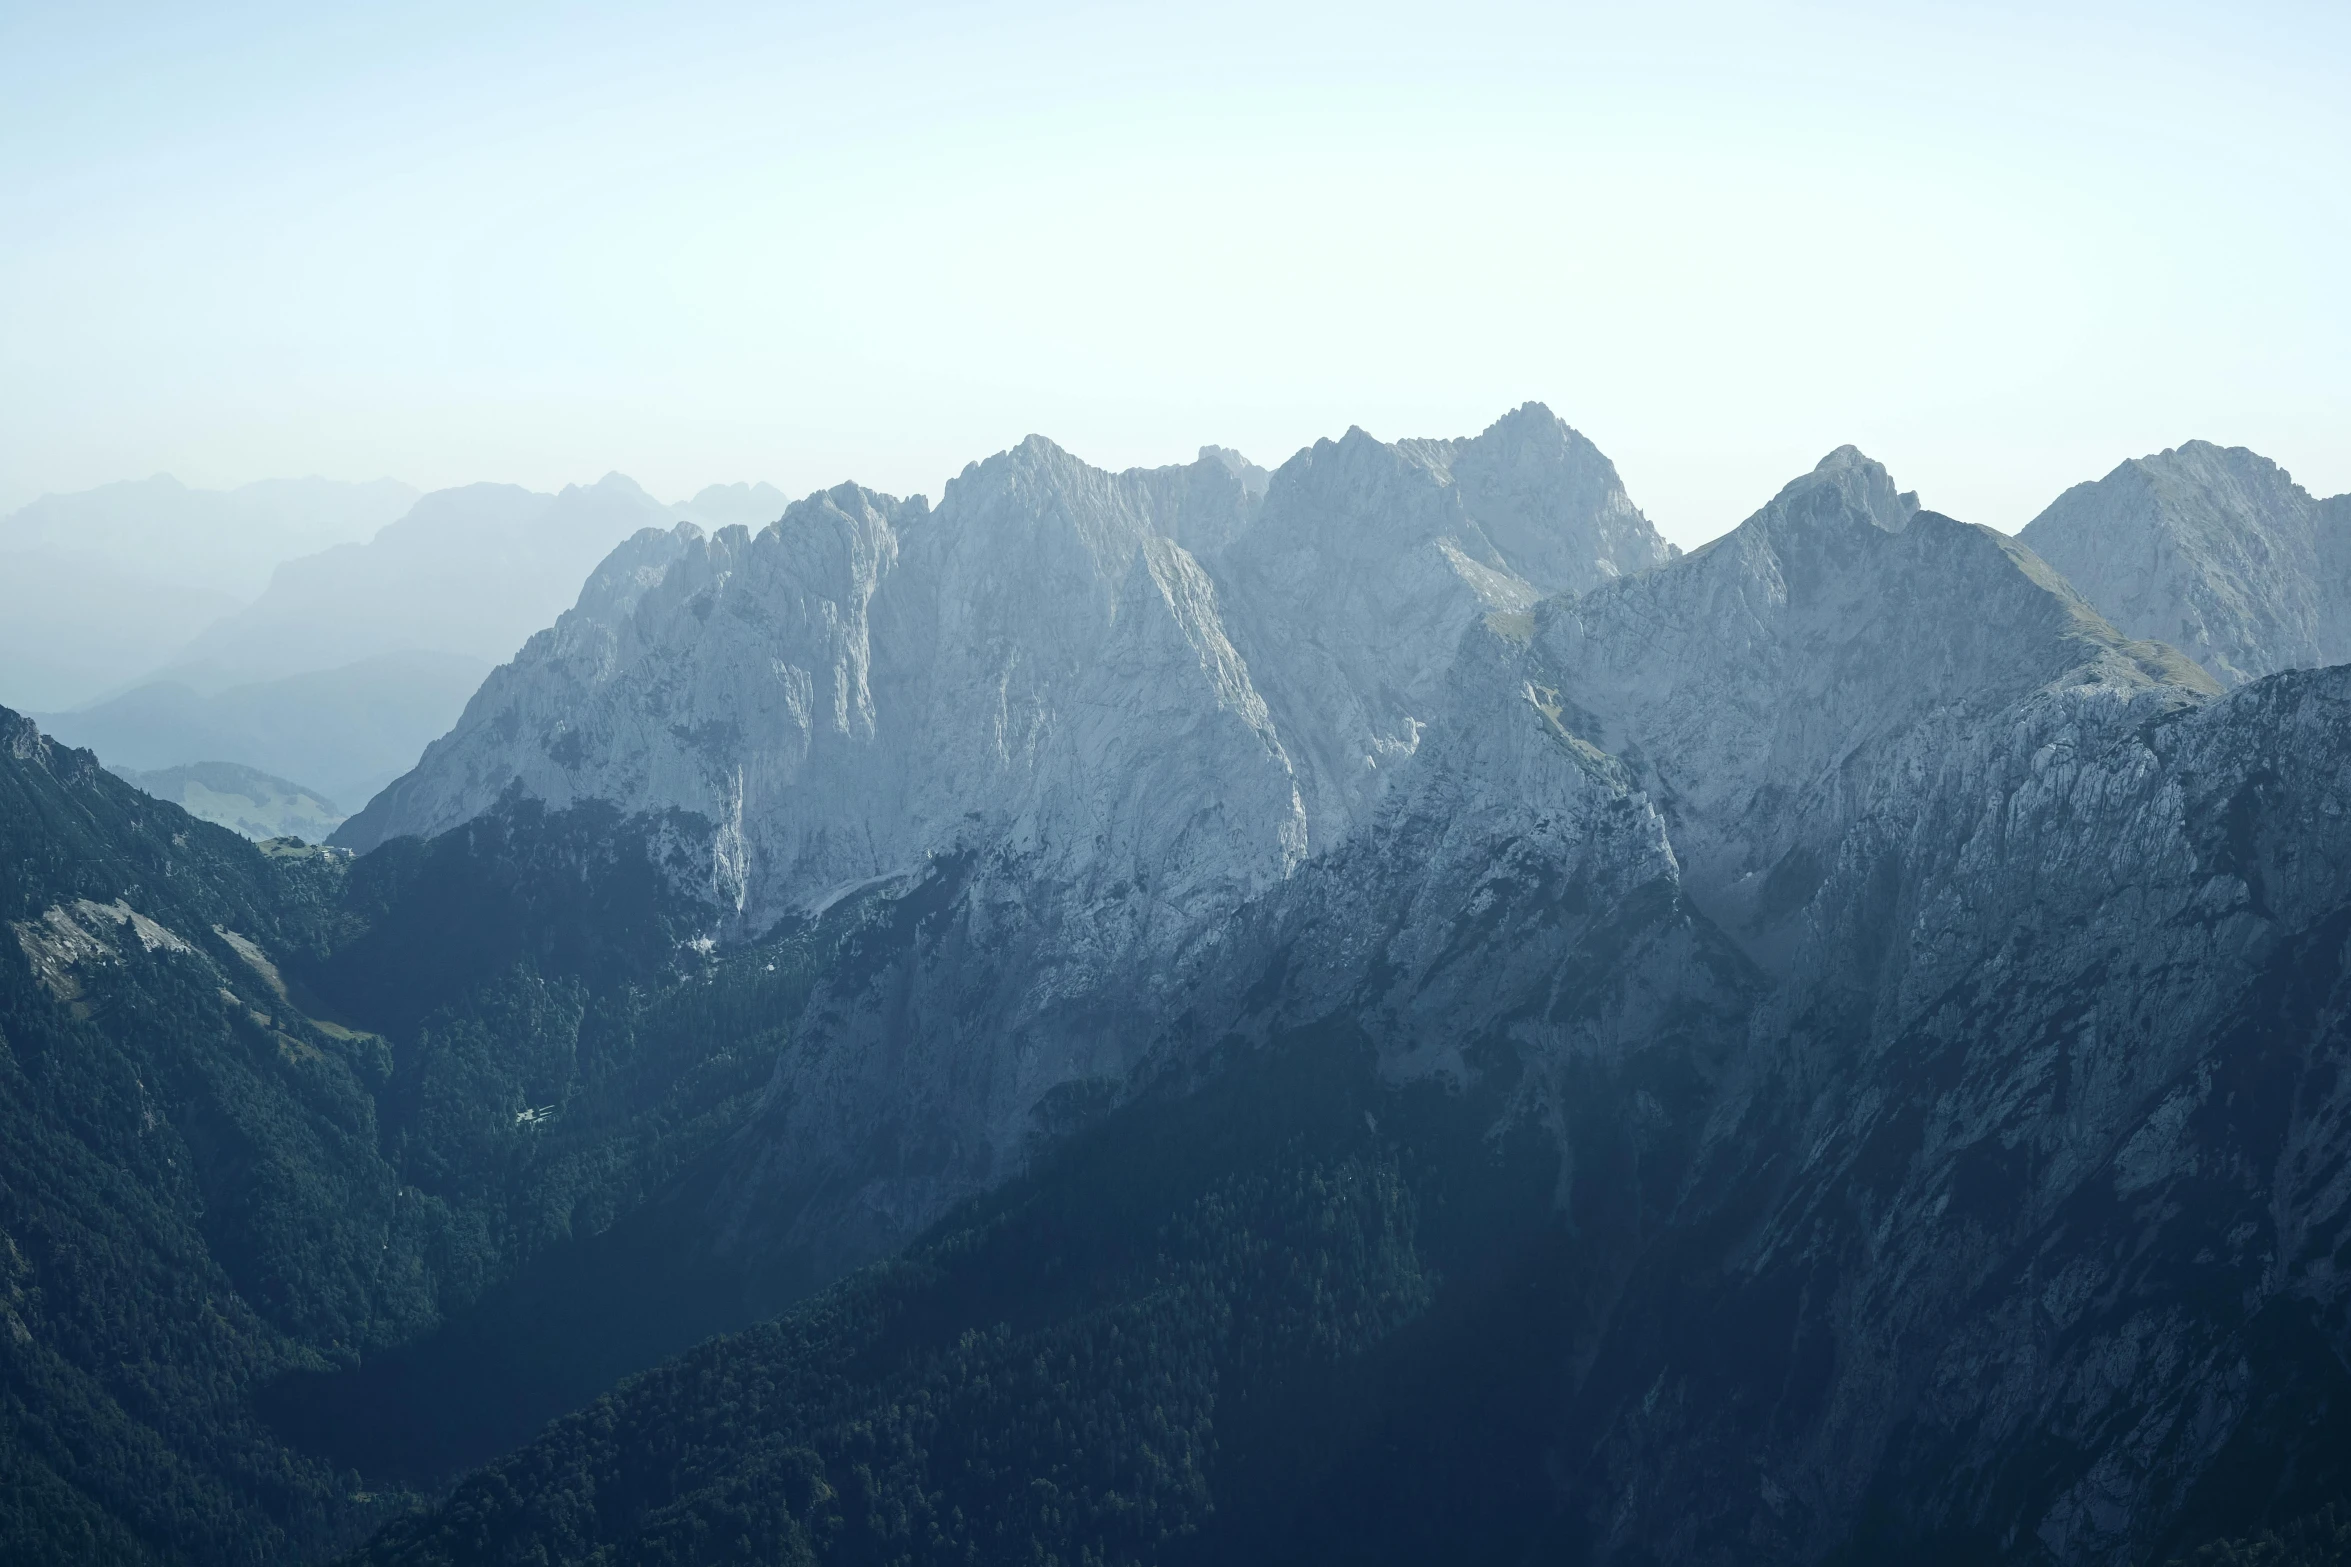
x: 2215, y: 550
x: 1352, y: 591
x: 1036, y: 667
x: 2334, y: 565
x: 897, y: 676
x: 2017, y: 880
x: 2034, y: 1137
x: 82, y: 935
x: 1031, y: 989
x: 2026, y: 889
x: 1934, y: 994
x: 1764, y: 685
x: 1516, y: 887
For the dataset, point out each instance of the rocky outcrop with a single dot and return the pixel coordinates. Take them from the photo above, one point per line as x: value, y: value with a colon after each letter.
x: 2215, y: 550
x: 1814, y: 662
x: 1352, y: 592
x: 1191, y: 672
x: 2019, y: 1170
x: 867, y: 683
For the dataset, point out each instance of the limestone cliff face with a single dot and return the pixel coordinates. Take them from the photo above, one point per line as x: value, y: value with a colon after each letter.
x: 2215, y: 550
x: 1351, y: 593
x: 1083, y: 719
x: 2017, y: 1184
x: 1194, y: 671
x: 2031, y: 898
x: 867, y: 683
x: 1813, y: 662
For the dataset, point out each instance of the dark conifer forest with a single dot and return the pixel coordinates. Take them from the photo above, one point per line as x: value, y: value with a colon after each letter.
x: 247, y: 1163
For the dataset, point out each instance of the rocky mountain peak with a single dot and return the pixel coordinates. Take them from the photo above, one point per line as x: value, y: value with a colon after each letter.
x: 1253, y: 478
x: 1038, y: 511
x: 1830, y: 1012
x: 1529, y: 500
x: 1552, y: 503
x: 1306, y: 617
x: 20, y: 737
x: 2214, y: 550
x: 635, y: 565
x: 1848, y: 484
x: 1838, y: 635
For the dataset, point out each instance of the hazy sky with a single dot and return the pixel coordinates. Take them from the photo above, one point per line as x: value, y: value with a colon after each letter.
x: 2001, y: 247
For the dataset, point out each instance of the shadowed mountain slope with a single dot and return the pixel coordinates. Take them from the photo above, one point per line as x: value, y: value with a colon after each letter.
x: 266, y: 1113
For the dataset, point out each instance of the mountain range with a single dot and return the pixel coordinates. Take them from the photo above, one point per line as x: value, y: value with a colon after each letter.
x: 343, y: 733
x: 342, y: 662
x: 100, y: 587
x: 472, y: 571
x: 1370, y: 1011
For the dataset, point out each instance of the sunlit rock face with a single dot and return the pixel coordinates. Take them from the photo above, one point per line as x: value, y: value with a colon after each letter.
x: 1095, y: 715
x: 1188, y: 674
x: 1822, y: 660
x: 867, y: 682
x: 2215, y: 550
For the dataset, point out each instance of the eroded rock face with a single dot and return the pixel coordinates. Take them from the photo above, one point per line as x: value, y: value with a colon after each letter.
x: 2019, y: 1160
x: 1088, y: 716
x: 867, y: 681
x: 2215, y: 550
x: 2010, y: 1187
x: 1814, y: 663
x: 1352, y: 592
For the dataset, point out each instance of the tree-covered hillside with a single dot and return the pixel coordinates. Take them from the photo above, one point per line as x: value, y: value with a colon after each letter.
x: 267, y: 1115
x: 1298, y: 1315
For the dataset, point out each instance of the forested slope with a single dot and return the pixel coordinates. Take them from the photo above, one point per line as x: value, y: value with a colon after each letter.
x: 266, y: 1116
x: 1299, y: 1313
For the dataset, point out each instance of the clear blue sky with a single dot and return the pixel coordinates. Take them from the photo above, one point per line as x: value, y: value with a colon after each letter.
x: 1999, y: 246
